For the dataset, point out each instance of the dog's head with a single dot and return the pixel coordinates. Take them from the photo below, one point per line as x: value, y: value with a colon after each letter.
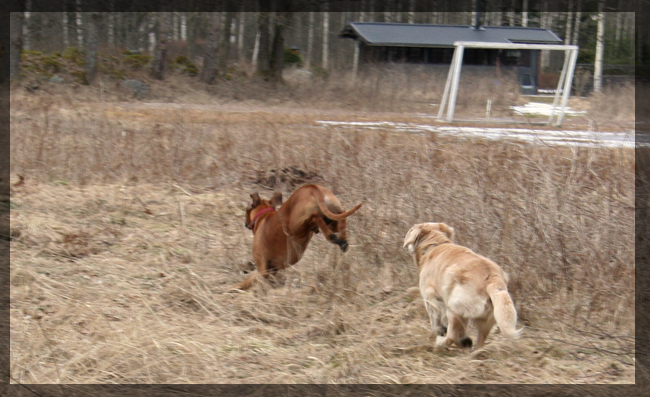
x: 432, y: 233
x: 258, y: 204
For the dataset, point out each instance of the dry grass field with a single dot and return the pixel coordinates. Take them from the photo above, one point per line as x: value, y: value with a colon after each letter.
x: 128, y: 228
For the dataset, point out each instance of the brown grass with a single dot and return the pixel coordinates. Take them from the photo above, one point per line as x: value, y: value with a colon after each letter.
x: 129, y: 228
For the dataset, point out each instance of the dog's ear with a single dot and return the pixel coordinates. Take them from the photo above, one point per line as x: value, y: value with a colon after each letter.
x: 448, y: 230
x: 256, y: 199
x: 411, y: 238
x: 276, y: 200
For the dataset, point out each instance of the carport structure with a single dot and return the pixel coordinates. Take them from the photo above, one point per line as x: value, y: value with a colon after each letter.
x: 563, y: 88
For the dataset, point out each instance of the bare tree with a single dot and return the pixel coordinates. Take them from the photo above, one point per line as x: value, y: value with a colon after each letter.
x: 111, y: 28
x: 569, y: 17
x: 256, y: 52
x: 639, y: 30
x: 79, y: 23
x: 600, y: 46
x: 240, y: 34
x: 176, y: 27
x: 16, y: 38
x: 160, y: 54
x: 209, y: 72
x: 184, y: 26
x: 263, y: 57
x: 619, y: 28
x: 193, y: 21
x: 224, y: 47
x: 92, y: 41
x: 326, y: 34
x: 545, y: 23
x: 152, y: 33
x: 27, y: 26
x: 277, y: 50
x: 511, y: 14
x: 64, y: 23
x: 310, y: 40
x: 524, y: 14
x: 474, y: 13
x: 411, y: 12
x: 576, y: 28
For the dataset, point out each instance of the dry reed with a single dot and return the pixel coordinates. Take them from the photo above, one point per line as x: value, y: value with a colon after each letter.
x: 129, y: 229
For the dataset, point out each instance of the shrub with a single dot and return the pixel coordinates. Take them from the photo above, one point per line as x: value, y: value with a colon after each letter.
x: 52, y: 64
x: 185, y: 65
x: 292, y: 59
x: 137, y: 61
x: 75, y: 55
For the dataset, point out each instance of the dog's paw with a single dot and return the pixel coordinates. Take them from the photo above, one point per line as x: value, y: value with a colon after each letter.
x: 466, y: 342
x: 442, y: 341
x: 344, y: 245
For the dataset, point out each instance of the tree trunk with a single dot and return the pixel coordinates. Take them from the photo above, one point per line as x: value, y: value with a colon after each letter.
x: 544, y: 54
x: 224, y: 47
x: 191, y: 37
x: 619, y: 28
x: 240, y: 35
x: 310, y: 40
x: 277, y: 54
x: 152, y: 33
x: 576, y: 29
x: 326, y: 34
x: 64, y: 22
x: 209, y: 72
x: 174, y: 23
x: 256, y: 52
x: 524, y: 14
x: 27, y: 26
x: 143, y: 36
x: 111, y: 28
x: 639, y: 42
x: 600, y: 46
x: 79, y: 23
x: 567, y: 30
x: 263, y: 57
x: 474, y: 13
x: 90, y: 64
x: 160, y: 54
x: 184, y: 26
x: 16, y: 38
x: 511, y: 14
x: 411, y: 15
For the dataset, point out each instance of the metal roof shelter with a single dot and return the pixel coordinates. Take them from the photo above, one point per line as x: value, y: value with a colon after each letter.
x: 424, y: 35
x: 566, y: 77
x: 459, y: 37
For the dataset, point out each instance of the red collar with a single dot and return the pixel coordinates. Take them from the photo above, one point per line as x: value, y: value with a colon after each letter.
x: 252, y: 224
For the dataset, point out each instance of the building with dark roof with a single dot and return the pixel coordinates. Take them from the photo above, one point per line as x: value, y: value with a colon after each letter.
x: 434, y: 44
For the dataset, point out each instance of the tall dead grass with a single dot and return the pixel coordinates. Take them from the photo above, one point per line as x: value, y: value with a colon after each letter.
x: 129, y: 230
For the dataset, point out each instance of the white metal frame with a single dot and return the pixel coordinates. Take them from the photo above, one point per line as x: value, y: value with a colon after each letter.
x: 566, y: 77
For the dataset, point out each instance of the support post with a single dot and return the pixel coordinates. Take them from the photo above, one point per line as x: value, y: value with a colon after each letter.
x: 445, y: 94
x: 567, y: 85
x: 454, y: 83
x: 564, y: 85
x: 560, y: 85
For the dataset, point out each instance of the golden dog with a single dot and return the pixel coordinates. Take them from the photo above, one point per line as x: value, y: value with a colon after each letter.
x: 281, y: 236
x: 459, y: 285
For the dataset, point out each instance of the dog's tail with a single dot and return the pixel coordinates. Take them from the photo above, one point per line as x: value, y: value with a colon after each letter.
x: 504, y: 310
x: 320, y: 199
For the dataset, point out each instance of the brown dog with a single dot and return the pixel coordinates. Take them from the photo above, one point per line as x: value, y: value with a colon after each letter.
x: 459, y: 285
x: 281, y: 236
